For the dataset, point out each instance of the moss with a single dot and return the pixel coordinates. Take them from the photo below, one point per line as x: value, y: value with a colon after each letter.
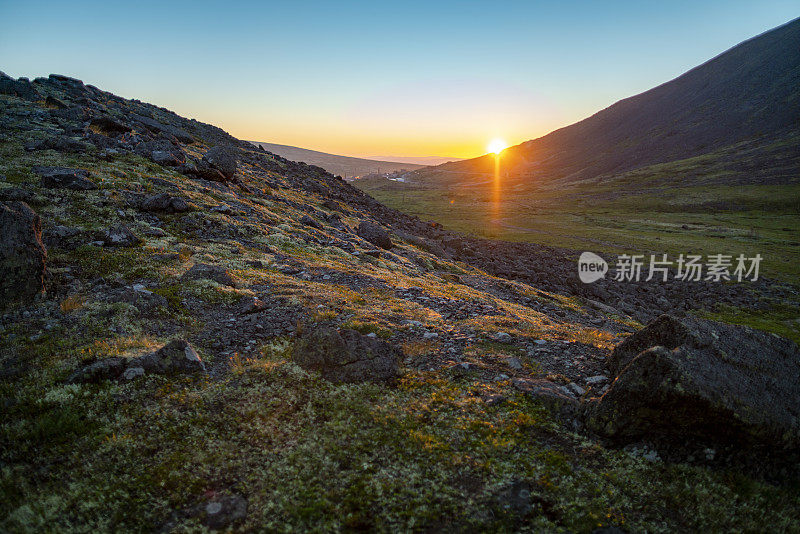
x: 102, y: 262
x: 369, y: 328
x: 778, y: 318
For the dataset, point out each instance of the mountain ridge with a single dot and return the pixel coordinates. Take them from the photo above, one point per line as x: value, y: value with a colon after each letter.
x: 346, y: 166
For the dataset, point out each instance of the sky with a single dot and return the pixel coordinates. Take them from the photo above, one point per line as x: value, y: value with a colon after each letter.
x: 375, y: 78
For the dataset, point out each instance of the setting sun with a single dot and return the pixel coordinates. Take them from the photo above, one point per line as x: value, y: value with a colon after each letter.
x: 496, y: 146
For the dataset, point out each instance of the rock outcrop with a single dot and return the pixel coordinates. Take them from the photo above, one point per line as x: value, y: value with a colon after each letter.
x: 374, y: 234
x: 64, y: 178
x: 176, y: 357
x: 22, y: 254
x: 223, y: 159
x: 690, y: 379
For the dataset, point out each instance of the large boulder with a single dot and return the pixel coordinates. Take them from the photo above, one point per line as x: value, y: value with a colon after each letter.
x: 64, y: 178
x: 375, y: 234
x: 164, y: 202
x: 223, y: 159
x: 689, y: 380
x: 21, y: 88
x: 346, y: 356
x: 22, y: 254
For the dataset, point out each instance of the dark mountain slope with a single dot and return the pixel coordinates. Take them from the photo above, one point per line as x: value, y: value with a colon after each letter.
x: 749, y: 93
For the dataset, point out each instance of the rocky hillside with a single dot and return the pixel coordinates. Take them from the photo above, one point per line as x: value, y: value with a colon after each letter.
x: 198, y: 334
x: 741, y: 108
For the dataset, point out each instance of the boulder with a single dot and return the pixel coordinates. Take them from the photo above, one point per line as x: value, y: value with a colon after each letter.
x: 164, y: 202
x: 166, y: 158
x: 308, y: 221
x: 558, y: 399
x: 120, y: 235
x: 375, y: 234
x: 346, y: 356
x: 204, y: 271
x: 693, y: 380
x: 22, y: 88
x: 223, y: 159
x: 64, y: 178
x: 22, y: 254
x: 176, y: 357
x: 224, y: 512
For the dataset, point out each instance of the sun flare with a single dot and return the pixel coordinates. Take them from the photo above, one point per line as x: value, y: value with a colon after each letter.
x: 496, y: 146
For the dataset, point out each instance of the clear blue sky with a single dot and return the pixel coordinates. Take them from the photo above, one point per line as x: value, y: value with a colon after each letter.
x: 376, y: 78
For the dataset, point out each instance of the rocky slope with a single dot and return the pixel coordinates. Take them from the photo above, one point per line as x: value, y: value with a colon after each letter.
x: 198, y: 334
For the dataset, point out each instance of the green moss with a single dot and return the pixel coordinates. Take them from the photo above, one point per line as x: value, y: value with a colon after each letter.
x: 130, y: 263
x: 368, y: 328
x: 778, y: 318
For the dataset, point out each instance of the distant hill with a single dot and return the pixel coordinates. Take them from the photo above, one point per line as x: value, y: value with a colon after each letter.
x: 422, y: 160
x: 744, y: 102
x: 340, y: 165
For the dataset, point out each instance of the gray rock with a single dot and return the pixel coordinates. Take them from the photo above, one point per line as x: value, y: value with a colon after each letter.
x: 176, y: 357
x: 576, y: 389
x: 162, y: 152
x: 164, y: 202
x: 21, y: 88
x: 502, y: 337
x: 120, y: 235
x: 64, y: 178
x: 514, y: 363
x: 133, y: 372
x: 166, y: 158
x: 690, y: 379
x: 346, y: 356
x: 374, y: 234
x: 308, y: 221
x: 595, y: 380
x: 22, y: 254
x: 222, y: 158
x: 556, y: 398
x: 109, y: 125
x: 224, y: 512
